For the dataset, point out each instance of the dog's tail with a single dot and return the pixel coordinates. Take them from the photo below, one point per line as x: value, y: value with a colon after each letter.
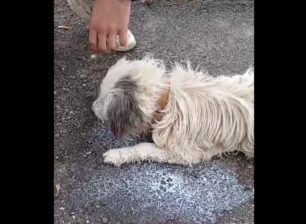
x: 250, y: 72
x: 248, y: 76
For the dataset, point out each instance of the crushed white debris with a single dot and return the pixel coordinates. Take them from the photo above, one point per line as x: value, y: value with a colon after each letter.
x: 93, y: 56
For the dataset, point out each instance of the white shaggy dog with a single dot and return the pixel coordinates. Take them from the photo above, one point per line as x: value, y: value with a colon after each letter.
x: 192, y: 116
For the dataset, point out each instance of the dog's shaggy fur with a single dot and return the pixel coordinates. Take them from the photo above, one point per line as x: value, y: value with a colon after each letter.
x: 192, y: 116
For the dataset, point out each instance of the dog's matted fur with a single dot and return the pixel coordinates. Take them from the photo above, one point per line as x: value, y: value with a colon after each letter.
x: 192, y: 115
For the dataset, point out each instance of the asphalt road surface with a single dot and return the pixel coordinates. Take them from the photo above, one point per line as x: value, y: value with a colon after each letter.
x: 218, y: 35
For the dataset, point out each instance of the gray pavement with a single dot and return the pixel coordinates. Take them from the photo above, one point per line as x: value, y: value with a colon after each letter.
x: 216, y: 34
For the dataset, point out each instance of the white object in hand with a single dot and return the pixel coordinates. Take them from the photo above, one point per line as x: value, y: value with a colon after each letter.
x: 130, y: 44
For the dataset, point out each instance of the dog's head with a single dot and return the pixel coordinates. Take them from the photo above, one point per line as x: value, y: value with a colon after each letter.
x: 128, y: 95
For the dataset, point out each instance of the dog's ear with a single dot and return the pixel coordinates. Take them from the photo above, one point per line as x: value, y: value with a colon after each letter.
x: 123, y: 113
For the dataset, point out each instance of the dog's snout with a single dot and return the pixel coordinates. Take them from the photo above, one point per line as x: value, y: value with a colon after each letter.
x: 97, y: 109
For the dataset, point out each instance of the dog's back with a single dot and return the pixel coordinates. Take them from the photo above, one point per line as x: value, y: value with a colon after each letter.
x: 207, y: 115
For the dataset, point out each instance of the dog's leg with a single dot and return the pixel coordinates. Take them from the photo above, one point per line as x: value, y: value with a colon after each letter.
x: 140, y: 152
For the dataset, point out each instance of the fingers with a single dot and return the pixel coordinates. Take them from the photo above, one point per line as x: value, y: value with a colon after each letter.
x: 123, y: 37
x: 111, y: 41
x: 93, y: 39
x: 103, y: 42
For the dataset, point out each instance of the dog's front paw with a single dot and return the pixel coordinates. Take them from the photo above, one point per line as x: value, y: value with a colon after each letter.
x: 113, y: 157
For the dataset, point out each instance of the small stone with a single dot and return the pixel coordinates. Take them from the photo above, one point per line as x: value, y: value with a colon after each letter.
x: 56, y: 157
x: 57, y: 187
x: 87, y: 221
x: 73, y: 217
x: 195, y: 176
x: 162, y: 188
x: 63, y: 27
x: 247, y: 188
x: 84, y: 84
x: 104, y: 220
x: 62, y: 208
x: 93, y: 56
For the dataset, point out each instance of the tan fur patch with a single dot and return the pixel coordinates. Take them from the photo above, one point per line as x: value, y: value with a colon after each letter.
x: 162, y: 102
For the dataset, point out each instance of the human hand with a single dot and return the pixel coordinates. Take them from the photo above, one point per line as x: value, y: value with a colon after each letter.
x: 109, y: 18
